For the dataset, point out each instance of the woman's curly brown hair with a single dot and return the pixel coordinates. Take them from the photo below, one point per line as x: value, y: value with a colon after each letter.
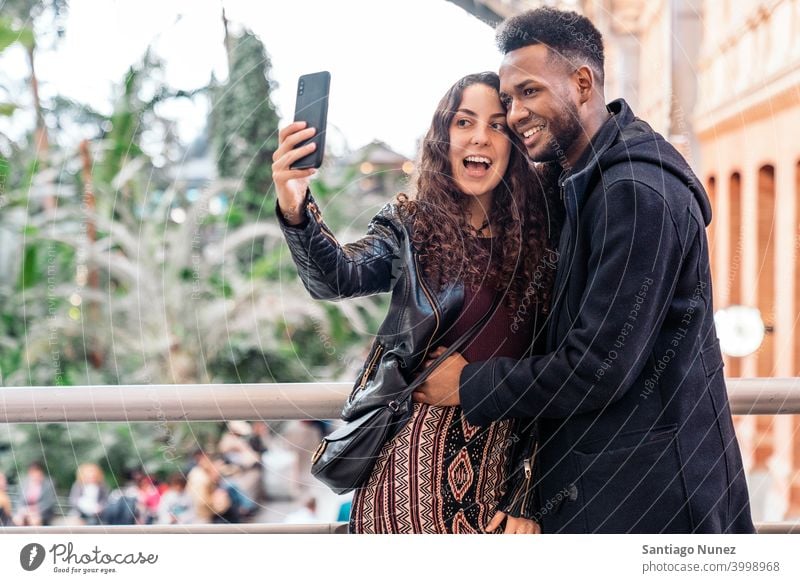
x: 525, y: 216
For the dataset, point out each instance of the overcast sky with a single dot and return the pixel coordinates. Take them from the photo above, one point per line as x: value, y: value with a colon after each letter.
x: 390, y: 61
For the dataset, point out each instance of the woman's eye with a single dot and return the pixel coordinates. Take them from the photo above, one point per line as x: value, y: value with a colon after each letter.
x: 462, y: 123
x: 500, y: 127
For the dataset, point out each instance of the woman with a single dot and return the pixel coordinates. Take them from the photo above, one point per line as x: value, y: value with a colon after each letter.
x: 243, y: 463
x: 5, y: 503
x: 475, y: 230
x: 175, y: 506
x: 89, y: 493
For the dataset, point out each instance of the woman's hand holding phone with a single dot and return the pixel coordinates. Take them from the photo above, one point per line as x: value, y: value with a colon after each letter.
x: 291, y: 185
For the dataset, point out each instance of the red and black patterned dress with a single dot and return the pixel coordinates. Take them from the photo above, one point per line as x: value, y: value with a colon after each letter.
x: 440, y: 474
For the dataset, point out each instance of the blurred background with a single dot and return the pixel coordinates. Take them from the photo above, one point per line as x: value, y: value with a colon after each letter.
x: 138, y: 243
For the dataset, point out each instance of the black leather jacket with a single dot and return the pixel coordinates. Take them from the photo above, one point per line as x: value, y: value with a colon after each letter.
x: 382, y: 261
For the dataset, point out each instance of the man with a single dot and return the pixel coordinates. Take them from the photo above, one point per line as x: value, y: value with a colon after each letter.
x: 634, y: 425
x: 36, y: 499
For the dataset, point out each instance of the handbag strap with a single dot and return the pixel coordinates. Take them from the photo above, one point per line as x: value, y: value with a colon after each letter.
x: 455, y: 346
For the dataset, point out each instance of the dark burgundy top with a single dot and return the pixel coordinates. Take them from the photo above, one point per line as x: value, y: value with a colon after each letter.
x: 507, y: 333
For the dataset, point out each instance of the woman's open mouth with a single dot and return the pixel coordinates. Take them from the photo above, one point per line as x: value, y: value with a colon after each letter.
x: 477, y: 166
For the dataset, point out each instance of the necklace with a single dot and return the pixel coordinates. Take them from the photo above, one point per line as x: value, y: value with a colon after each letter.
x: 479, y: 230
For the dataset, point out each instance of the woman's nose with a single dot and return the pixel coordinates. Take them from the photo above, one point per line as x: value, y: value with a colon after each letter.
x: 480, y: 134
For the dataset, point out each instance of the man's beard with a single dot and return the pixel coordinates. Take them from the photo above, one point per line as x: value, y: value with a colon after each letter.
x: 564, y: 131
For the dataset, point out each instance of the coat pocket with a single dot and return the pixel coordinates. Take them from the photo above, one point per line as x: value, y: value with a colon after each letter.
x: 635, y: 484
x: 712, y: 358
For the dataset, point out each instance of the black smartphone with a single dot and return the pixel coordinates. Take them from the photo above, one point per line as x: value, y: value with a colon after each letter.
x: 312, y: 107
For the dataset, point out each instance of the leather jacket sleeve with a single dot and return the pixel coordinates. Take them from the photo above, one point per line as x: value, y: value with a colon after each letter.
x: 519, y: 500
x: 331, y: 271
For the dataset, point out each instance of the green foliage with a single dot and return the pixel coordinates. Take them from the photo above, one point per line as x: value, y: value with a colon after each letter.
x: 10, y: 34
x: 160, y: 449
x: 52, y: 443
x: 244, y: 123
x: 270, y: 267
x: 29, y: 276
x: 7, y: 109
x: 4, y: 172
x: 248, y: 364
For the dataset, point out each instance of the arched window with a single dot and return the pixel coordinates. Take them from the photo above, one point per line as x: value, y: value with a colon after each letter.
x: 736, y: 250
x: 711, y: 189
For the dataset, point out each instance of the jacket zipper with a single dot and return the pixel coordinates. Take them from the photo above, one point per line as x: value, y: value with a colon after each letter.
x: 433, y: 307
x: 319, y: 451
x: 312, y: 206
x: 327, y: 233
x: 370, y: 366
x: 565, y: 259
x: 528, y: 466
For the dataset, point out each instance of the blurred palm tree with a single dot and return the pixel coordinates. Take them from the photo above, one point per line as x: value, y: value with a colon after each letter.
x: 243, y: 120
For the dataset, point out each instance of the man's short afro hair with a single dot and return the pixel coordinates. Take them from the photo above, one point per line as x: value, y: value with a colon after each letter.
x: 566, y: 33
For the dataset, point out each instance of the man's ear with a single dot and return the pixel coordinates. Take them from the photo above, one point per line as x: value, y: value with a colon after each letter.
x: 585, y: 82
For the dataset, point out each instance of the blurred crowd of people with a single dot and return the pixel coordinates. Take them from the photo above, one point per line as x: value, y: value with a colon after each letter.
x: 249, y: 467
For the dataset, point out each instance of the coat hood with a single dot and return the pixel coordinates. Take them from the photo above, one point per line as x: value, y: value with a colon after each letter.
x: 637, y: 142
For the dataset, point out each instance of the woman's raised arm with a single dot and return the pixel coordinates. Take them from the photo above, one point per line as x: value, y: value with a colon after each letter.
x: 329, y: 270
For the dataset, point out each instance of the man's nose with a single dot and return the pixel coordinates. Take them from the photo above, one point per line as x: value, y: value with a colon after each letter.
x: 516, y: 113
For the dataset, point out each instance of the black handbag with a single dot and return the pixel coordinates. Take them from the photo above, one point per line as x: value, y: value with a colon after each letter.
x: 345, y: 458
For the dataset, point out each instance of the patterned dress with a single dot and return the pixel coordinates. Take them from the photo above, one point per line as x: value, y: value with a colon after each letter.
x: 440, y: 474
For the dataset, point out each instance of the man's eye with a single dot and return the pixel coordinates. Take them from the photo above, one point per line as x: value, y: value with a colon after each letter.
x: 506, y: 101
x: 529, y: 92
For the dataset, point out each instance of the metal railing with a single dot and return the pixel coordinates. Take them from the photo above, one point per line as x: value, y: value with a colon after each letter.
x: 172, y: 402
x: 263, y: 528
x: 753, y: 396
x: 142, y: 403
x: 320, y: 528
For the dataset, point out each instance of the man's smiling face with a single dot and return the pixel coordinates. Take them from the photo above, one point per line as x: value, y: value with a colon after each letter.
x: 538, y: 94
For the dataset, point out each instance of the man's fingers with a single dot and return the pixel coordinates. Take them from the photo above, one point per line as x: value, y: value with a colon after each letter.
x: 439, y: 350
x: 526, y: 527
x: 496, y: 521
x: 521, y: 526
x: 433, y: 355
